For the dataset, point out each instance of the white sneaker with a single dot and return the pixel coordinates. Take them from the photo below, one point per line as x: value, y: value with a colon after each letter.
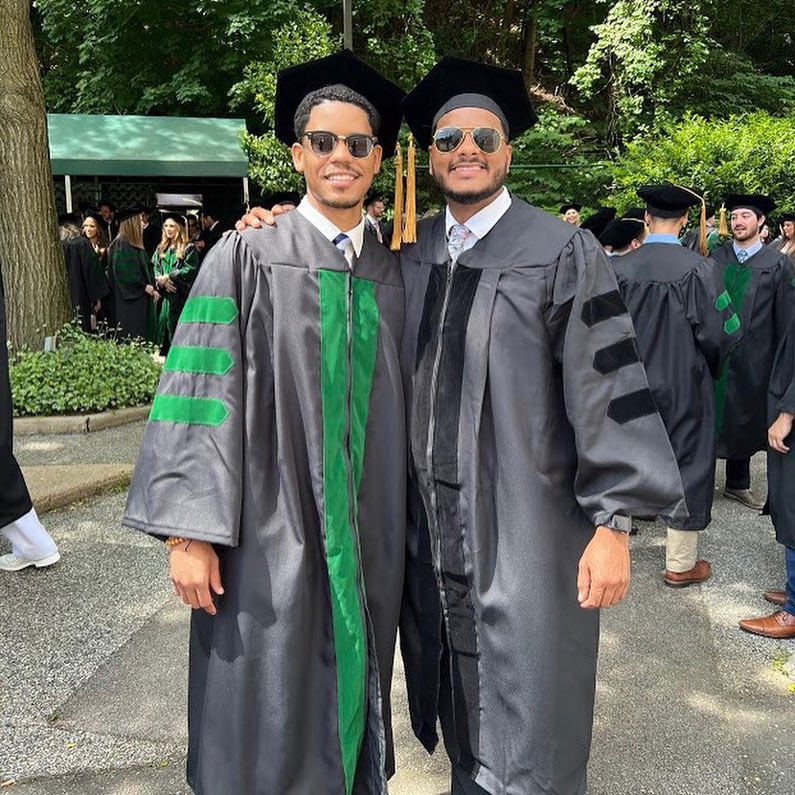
x: 11, y: 562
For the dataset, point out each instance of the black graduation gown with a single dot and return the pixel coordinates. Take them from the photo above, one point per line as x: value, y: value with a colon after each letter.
x: 210, y: 237
x: 685, y: 326
x: 763, y: 293
x: 130, y: 274
x: 14, y: 496
x: 87, y: 282
x: 152, y: 237
x: 278, y: 435
x: 529, y: 427
x: 781, y: 468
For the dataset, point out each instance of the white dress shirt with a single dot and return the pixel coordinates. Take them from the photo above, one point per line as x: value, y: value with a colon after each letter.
x: 483, y: 221
x: 329, y: 230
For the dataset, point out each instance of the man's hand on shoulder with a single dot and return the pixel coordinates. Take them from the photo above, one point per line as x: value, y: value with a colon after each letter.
x: 258, y: 216
x: 603, y: 576
x: 195, y: 572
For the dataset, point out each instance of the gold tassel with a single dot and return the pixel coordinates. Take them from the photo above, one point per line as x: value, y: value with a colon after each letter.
x: 702, y: 231
x: 723, y: 229
x: 410, y: 216
x: 397, y: 220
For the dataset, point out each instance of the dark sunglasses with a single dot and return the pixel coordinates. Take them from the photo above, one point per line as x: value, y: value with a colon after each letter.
x: 448, y: 139
x: 324, y: 143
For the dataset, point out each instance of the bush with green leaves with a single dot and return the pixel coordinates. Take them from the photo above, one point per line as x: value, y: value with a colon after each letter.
x: 753, y: 153
x: 86, y: 373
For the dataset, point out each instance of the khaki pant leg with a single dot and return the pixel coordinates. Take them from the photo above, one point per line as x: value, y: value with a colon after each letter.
x: 681, y: 550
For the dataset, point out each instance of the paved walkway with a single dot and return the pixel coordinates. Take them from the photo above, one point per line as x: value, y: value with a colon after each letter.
x: 92, y: 669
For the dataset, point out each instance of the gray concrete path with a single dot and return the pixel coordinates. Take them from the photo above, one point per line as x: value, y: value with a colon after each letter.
x: 93, y: 691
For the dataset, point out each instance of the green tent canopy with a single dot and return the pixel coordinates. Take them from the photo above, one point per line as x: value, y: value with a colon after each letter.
x: 146, y: 146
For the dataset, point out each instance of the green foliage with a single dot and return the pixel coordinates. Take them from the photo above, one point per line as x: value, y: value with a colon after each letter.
x: 147, y: 56
x: 393, y: 38
x: 752, y: 153
x: 655, y: 60
x: 643, y: 53
x: 86, y: 373
x: 308, y: 37
x: 605, y: 72
x: 557, y: 160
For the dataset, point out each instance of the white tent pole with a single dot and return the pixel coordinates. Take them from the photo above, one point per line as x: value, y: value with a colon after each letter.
x: 67, y: 183
x: 245, y: 192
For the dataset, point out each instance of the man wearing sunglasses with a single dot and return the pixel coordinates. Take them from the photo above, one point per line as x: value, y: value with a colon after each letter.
x: 274, y: 466
x: 533, y: 438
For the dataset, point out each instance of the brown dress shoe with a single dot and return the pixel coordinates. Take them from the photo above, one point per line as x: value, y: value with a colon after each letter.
x: 699, y: 573
x: 776, y: 597
x: 778, y: 625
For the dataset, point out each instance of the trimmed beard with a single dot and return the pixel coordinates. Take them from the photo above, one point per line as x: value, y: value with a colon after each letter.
x: 476, y: 197
x: 748, y: 236
x: 339, y: 205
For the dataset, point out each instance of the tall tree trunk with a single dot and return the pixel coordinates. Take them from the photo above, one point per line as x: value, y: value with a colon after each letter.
x: 31, y: 256
x: 507, y: 25
x: 531, y: 35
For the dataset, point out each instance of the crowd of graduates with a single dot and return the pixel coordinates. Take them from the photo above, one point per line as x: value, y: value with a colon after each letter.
x: 131, y: 270
x: 730, y: 395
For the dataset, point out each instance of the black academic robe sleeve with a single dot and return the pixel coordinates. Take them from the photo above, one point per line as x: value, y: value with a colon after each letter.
x: 784, y: 306
x: 784, y: 373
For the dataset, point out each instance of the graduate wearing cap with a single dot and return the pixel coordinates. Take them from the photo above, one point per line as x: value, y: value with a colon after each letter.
x: 686, y: 326
x: 761, y: 283
x: 132, y: 282
x: 274, y: 465
x: 623, y: 235
x: 597, y: 222
x: 571, y: 213
x: 175, y: 265
x: 533, y: 438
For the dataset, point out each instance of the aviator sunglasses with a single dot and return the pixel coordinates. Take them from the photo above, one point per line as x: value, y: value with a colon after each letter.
x: 448, y: 139
x: 324, y: 143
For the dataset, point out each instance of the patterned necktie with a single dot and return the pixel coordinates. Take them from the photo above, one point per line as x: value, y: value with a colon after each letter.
x: 342, y: 241
x: 456, y: 243
x: 742, y: 255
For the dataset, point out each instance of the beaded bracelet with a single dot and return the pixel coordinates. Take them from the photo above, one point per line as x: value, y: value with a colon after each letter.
x: 172, y: 542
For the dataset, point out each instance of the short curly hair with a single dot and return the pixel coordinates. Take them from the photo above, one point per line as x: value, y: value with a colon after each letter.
x: 335, y: 93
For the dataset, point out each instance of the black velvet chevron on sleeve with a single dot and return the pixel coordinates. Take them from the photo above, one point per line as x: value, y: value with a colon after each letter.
x: 631, y: 406
x: 614, y: 357
x: 603, y: 307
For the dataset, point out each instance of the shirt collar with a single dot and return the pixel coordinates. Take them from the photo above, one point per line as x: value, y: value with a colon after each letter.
x: 662, y: 238
x: 328, y: 229
x: 483, y: 221
x: 750, y: 251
